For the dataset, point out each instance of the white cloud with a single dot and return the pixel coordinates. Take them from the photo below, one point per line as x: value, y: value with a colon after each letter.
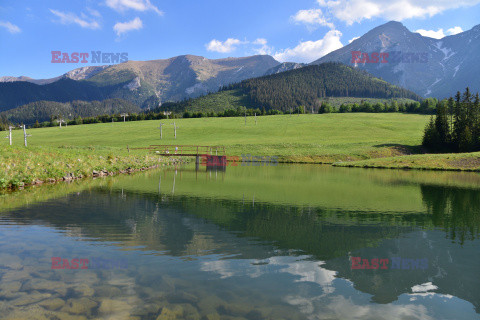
x: 94, y: 13
x: 351, y: 11
x: 439, y: 34
x: 84, y: 21
x: 259, y: 46
x: 228, y: 45
x: 454, y: 30
x: 309, y: 51
x: 123, y: 27
x: 10, y: 27
x: 264, y: 48
x: 312, y: 18
x: 137, y: 5
x: 261, y: 41
x: 353, y: 39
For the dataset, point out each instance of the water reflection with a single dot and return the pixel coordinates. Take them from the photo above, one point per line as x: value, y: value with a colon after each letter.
x: 205, y: 247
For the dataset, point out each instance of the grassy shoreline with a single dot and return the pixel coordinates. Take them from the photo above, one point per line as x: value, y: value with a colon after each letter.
x: 440, y: 162
x: 38, y: 165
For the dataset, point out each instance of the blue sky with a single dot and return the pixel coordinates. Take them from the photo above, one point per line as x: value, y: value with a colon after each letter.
x: 300, y: 30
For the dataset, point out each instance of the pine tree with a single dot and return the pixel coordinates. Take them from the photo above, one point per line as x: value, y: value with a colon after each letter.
x: 456, y: 126
x: 476, y: 122
x: 441, y: 125
x: 430, y: 137
x: 451, y: 112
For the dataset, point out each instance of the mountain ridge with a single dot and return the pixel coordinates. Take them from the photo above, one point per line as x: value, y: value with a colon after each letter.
x: 450, y: 66
x: 156, y: 81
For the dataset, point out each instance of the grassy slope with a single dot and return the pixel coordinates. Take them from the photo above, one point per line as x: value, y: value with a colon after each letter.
x: 55, y: 152
x: 304, y: 138
x: 22, y: 166
x: 460, y: 161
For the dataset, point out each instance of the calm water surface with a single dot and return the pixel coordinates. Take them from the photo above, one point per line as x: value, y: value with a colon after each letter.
x: 247, y: 243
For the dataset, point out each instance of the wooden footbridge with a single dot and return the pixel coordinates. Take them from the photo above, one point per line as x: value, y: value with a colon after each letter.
x: 214, y: 155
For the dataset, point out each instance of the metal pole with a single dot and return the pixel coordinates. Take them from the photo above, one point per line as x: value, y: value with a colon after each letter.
x: 25, y: 135
x: 10, y: 134
x: 175, y: 129
x: 161, y: 130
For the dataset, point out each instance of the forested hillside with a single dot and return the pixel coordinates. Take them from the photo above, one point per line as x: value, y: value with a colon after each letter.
x: 307, y: 87
x: 44, y: 110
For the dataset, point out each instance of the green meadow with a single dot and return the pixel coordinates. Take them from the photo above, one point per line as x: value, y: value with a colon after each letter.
x: 304, y: 138
x: 366, y: 140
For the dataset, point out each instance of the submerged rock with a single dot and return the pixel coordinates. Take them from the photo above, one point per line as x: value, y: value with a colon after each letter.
x: 45, y: 285
x: 67, y: 316
x: 52, y: 304
x: 10, y: 261
x: 29, y: 298
x: 81, y: 306
x: 146, y: 309
x: 33, y: 312
x: 16, y: 275
x: 171, y: 313
x: 209, y: 304
x: 213, y: 316
x: 108, y: 291
x: 84, y: 290
x: 117, y: 307
x: 10, y: 286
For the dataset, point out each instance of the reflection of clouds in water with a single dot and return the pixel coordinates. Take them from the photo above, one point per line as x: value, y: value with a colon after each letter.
x: 414, y: 296
x: 342, y: 300
x: 424, y: 287
x: 222, y: 267
x: 308, y: 271
x: 338, y: 307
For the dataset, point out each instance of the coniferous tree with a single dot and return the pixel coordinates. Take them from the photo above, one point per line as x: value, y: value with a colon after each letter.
x: 462, y: 134
x: 451, y: 112
x: 441, y: 125
x: 431, y: 138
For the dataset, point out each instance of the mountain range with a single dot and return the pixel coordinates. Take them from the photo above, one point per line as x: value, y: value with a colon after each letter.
x: 427, y: 66
x: 145, y: 83
x: 430, y: 67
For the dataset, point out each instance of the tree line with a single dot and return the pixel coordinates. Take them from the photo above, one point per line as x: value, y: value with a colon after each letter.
x: 43, y: 110
x: 455, y: 126
x: 427, y: 106
x: 308, y: 86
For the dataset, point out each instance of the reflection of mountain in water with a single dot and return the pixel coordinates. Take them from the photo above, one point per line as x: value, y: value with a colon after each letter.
x: 189, y: 226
